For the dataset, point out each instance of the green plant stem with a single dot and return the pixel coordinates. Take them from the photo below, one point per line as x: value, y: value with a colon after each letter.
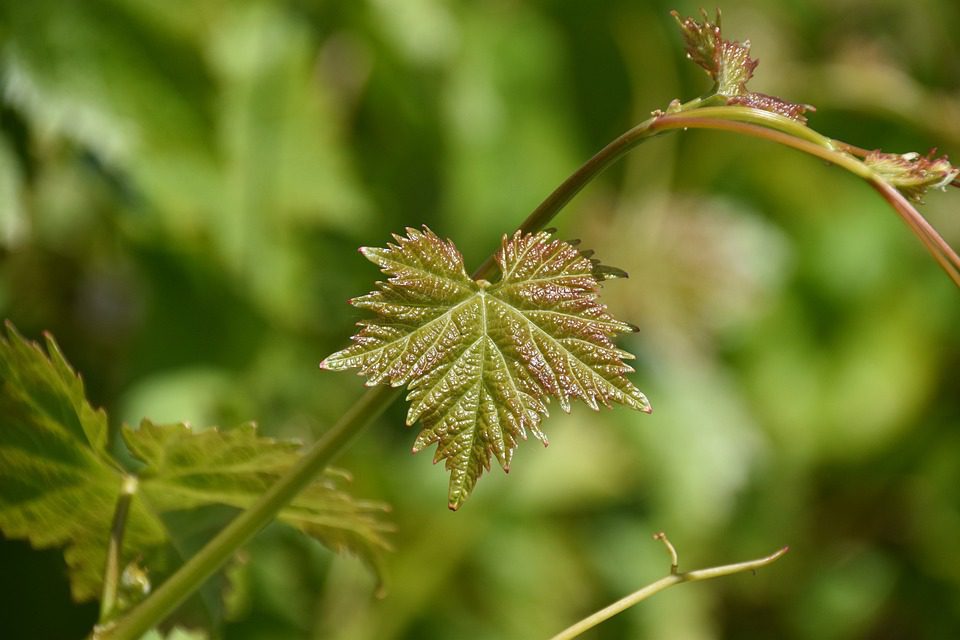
x: 208, y: 560
x: 740, y: 121
x: 699, y: 113
x: 663, y: 583
x: 111, y: 573
x: 570, y: 187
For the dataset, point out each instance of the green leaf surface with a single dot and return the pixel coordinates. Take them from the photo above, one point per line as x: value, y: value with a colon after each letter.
x: 482, y: 360
x: 59, y: 486
x: 187, y: 469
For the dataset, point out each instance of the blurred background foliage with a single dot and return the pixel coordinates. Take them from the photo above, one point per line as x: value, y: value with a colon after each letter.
x: 183, y: 185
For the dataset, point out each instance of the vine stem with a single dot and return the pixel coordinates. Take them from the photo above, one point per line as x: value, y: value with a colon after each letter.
x: 208, y: 560
x: 757, y: 123
x: 675, y: 577
x: 111, y: 573
x: 699, y: 113
x: 741, y: 120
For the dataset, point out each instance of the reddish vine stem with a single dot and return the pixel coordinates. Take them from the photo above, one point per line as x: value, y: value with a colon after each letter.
x: 941, y: 251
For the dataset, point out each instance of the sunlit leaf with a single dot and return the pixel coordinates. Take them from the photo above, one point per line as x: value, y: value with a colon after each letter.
x: 60, y: 486
x: 482, y: 360
x: 729, y: 63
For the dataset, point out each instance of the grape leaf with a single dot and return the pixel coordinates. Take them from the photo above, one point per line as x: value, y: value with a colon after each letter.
x: 187, y: 469
x: 729, y: 63
x: 59, y: 486
x: 482, y: 360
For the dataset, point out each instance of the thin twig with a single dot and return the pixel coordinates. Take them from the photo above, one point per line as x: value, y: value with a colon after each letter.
x: 668, y: 581
x: 111, y: 574
x: 674, y: 559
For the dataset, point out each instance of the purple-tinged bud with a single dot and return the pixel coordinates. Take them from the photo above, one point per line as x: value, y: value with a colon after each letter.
x: 912, y: 173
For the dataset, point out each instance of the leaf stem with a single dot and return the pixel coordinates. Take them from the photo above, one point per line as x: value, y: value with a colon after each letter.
x: 663, y: 583
x: 111, y: 573
x: 208, y: 560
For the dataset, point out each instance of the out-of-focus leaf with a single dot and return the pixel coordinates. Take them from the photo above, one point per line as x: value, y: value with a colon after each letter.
x: 423, y: 30
x: 284, y: 170
x: 708, y: 266
x: 187, y: 469
x: 482, y: 360
x: 506, y: 122
x: 177, y: 633
x: 83, y: 71
x: 61, y: 486
x: 13, y: 221
x: 222, y: 137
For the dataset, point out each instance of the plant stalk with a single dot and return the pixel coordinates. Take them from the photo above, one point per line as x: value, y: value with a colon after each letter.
x: 701, y: 114
x: 663, y: 583
x: 111, y: 573
x: 208, y: 560
x: 741, y: 120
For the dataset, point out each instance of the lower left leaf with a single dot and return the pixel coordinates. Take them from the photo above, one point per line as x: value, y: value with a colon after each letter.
x: 59, y: 485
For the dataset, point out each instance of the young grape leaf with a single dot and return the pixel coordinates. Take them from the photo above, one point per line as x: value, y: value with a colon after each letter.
x: 59, y: 486
x: 481, y: 360
x: 729, y: 63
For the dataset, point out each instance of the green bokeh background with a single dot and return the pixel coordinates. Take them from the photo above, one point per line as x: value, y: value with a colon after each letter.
x: 183, y: 185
